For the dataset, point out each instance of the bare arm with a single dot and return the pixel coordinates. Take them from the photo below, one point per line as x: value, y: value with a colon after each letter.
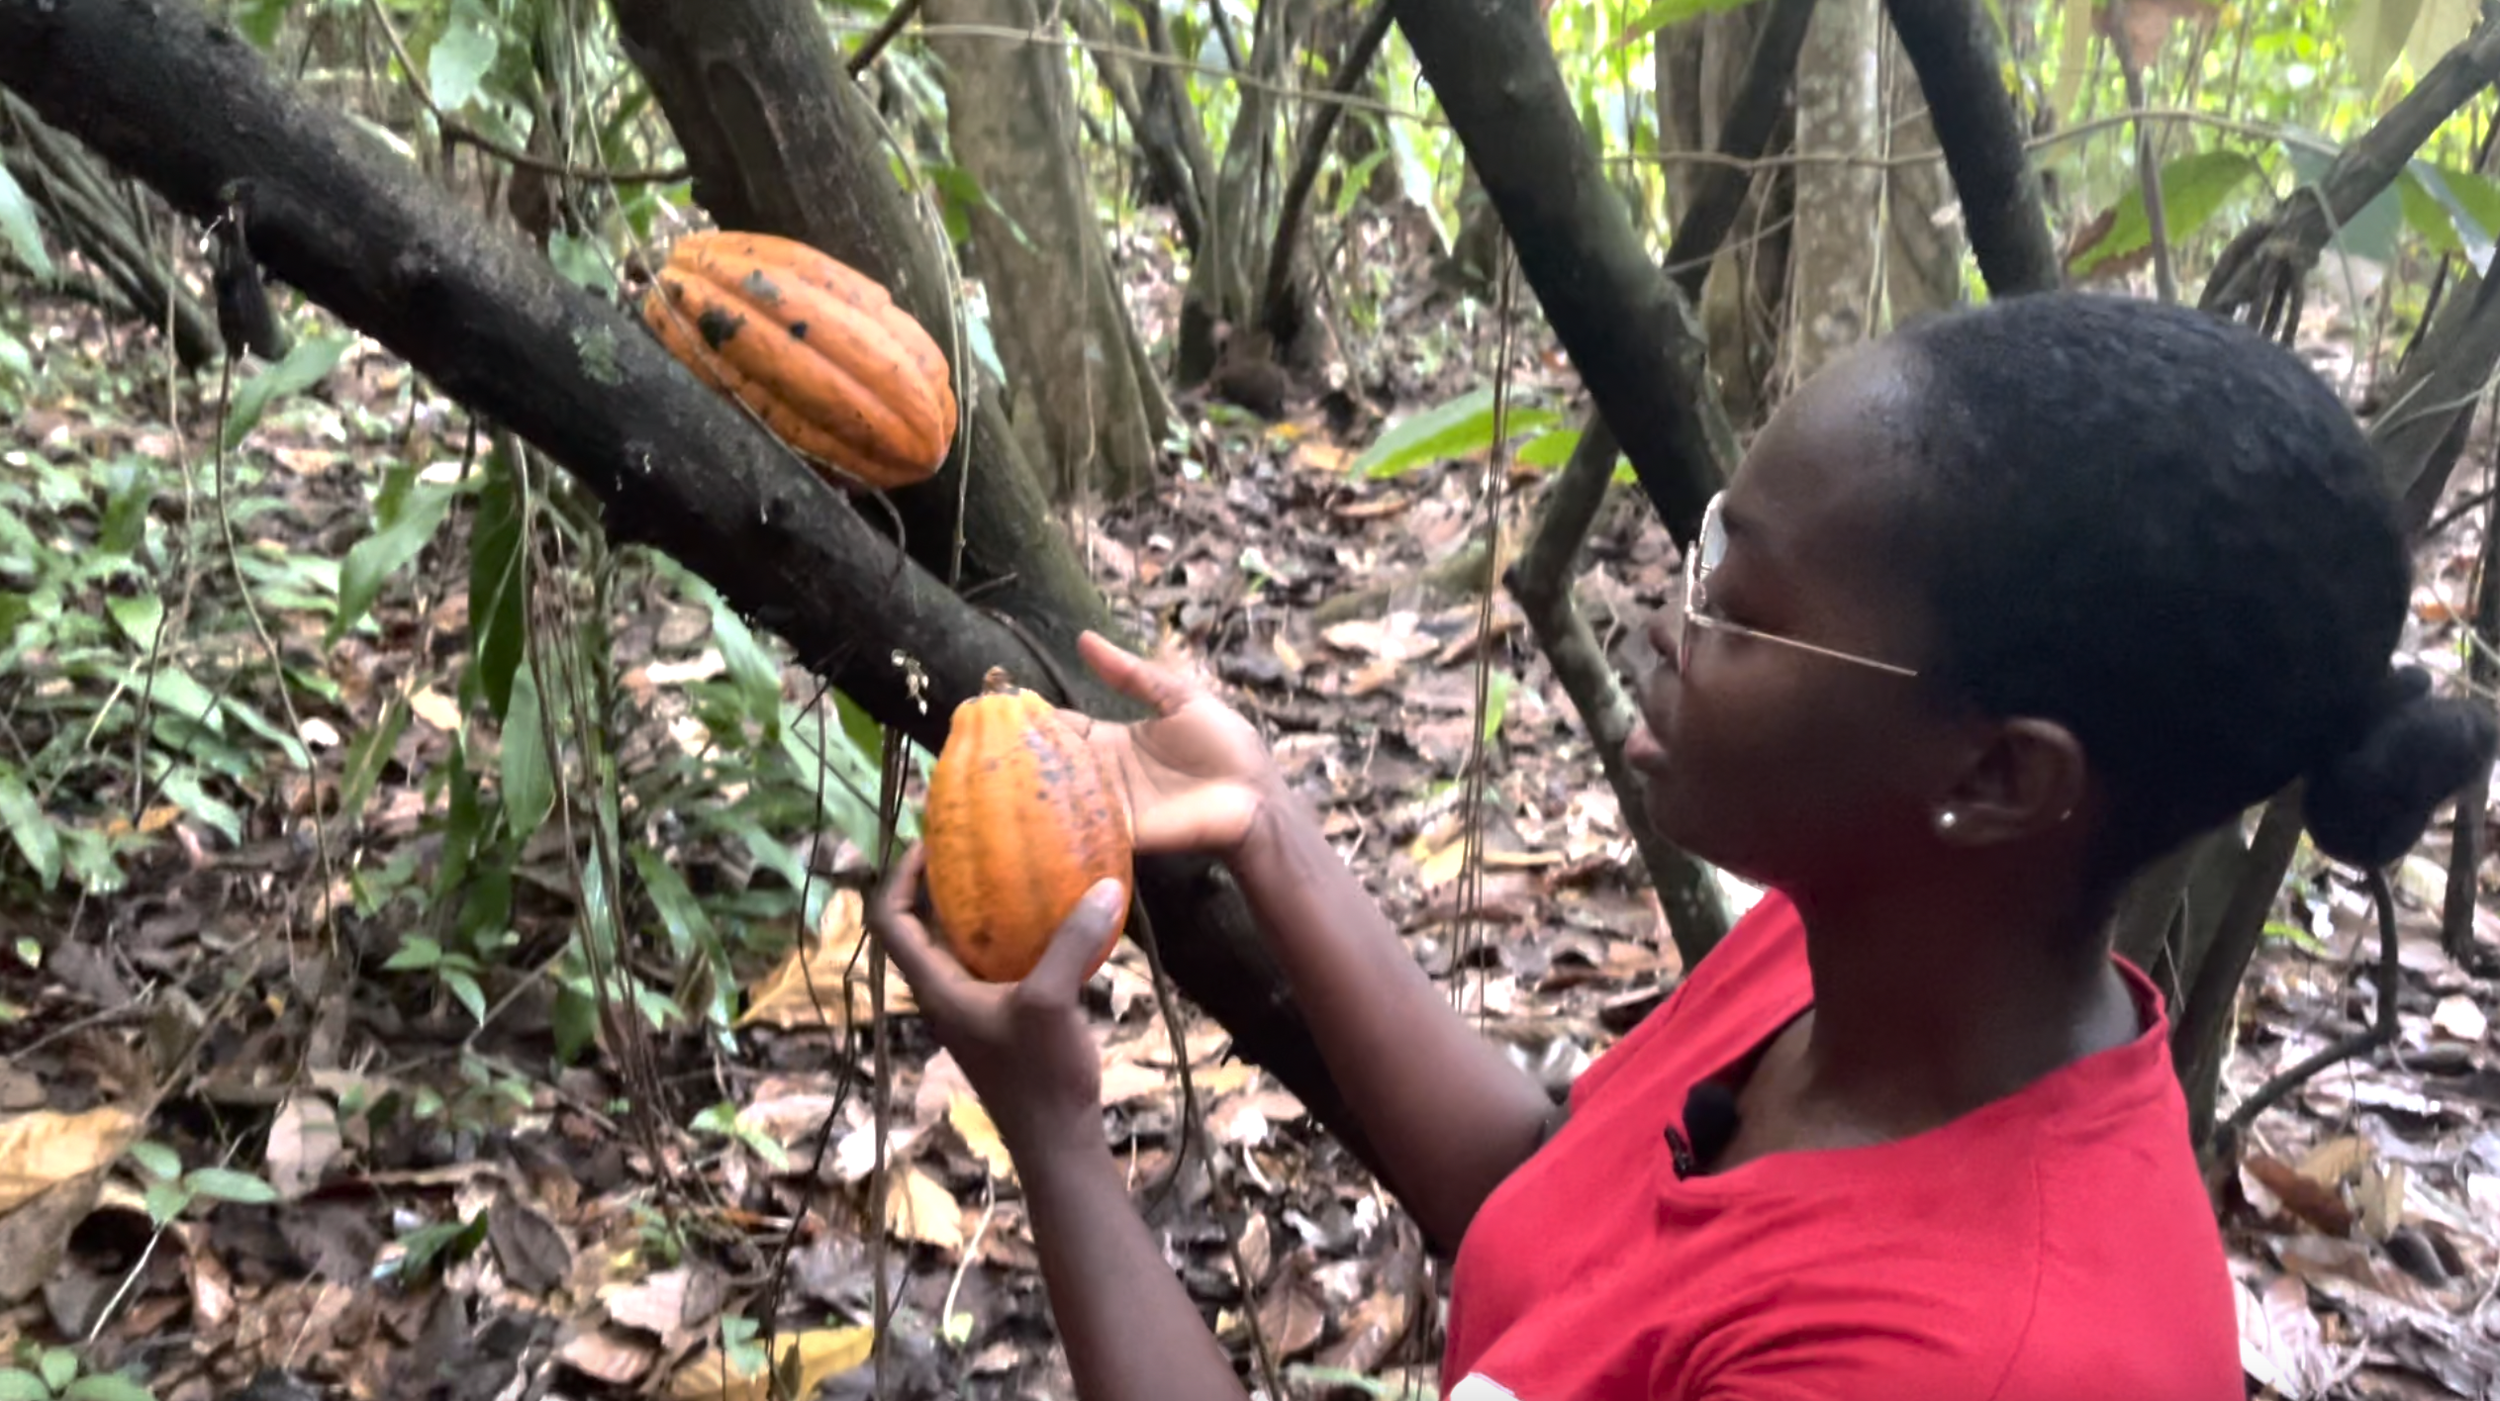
x: 1130, y: 1328
x: 1449, y: 1114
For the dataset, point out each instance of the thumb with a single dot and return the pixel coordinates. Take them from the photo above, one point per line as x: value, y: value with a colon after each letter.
x: 1133, y: 676
x: 1070, y: 957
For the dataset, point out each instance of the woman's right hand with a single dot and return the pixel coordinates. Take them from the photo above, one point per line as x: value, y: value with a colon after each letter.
x: 1197, y: 774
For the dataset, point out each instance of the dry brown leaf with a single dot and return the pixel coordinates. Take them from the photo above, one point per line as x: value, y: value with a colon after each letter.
x: 673, y: 1305
x: 303, y: 1141
x: 2280, y: 1343
x: 2458, y: 1016
x: 609, y: 1356
x: 808, y: 1359
x: 1292, y: 1316
x: 2321, y: 1204
x: 2149, y: 22
x: 973, y: 1126
x: 919, y: 1208
x: 1126, y: 1080
x: 41, y: 1150
x: 807, y: 989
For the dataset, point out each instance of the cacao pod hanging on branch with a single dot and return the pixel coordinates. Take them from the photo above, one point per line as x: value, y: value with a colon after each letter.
x: 814, y: 348
x: 1021, y: 822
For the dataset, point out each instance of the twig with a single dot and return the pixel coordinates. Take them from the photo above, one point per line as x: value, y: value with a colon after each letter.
x: 881, y: 36
x: 2147, y: 162
x: 2381, y: 1032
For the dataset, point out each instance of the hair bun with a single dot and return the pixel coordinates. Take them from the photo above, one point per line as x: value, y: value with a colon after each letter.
x: 2369, y: 805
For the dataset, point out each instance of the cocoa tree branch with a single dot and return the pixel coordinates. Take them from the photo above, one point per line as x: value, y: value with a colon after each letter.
x: 2248, y: 280
x: 474, y: 308
x: 1953, y: 45
x: 1493, y: 69
x: 1697, y: 914
x: 1275, y: 300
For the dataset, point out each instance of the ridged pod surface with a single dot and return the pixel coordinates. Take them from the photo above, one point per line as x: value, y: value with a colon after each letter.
x: 819, y: 351
x: 1021, y: 821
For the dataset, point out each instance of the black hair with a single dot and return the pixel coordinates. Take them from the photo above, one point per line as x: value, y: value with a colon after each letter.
x: 2165, y: 532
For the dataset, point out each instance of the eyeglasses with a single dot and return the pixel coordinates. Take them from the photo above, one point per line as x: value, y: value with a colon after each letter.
x: 1704, y: 556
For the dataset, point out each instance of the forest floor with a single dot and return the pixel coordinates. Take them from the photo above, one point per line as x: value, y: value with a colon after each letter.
x: 386, y: 1198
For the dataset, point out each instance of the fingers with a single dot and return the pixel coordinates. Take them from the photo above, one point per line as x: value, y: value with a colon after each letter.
x: 1133, y: 676
x: 889, y: 917
x: 1056, y: 979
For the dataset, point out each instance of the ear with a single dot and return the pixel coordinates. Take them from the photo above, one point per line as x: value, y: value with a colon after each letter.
x: 2027, y: 778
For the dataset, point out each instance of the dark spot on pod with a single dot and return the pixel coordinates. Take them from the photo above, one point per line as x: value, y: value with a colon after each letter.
x: 718, y: 327
x: 798, y: 330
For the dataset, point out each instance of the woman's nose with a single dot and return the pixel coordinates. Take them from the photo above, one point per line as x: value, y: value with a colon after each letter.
x: 1666, y: 632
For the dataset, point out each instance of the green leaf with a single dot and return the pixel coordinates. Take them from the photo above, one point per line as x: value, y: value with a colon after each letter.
x: 2369, y: 234
x: 2193, y: 189
x: 18, y: 1384
x: 1550, y: 450
x: 58, y: 1365
x: 305, y: 366
x: 417, y: 952
x: 37, y: 839
x: 386, y: 551
x: 369, y: 753
x: 139, y: 618
x: 166, y: 1200
x: 497, y: 570
x: 1454, y: 429
x: 582, y: 262
x: 183, y: 786
x: 19, y: 227
x: 158, y: 1159
x: 689, y: 928
x: 465, y: 988
x: 225, y: 1184
x: 106, y: 1386
x: 529, y: 790
x: 2375, y: 34
x: 576, y: 1024
x: 1665, y: 12
x: 461, y: 58
x: 173, y: 692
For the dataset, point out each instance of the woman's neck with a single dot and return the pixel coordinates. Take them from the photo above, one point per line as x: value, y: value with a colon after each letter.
x: 1929, y: 1004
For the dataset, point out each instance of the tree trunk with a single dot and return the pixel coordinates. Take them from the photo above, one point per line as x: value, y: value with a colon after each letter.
x: 1225, y: 277
x: 1072, y: 355
x: 1624, y: 324
x: 477, y: 310
x: 1923, y: 243
x: 1953, y: 45
x: 1700, y: 64
x: 1832, y: 284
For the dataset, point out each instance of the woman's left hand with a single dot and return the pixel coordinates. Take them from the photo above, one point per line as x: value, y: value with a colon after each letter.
x: 1024, y: 1046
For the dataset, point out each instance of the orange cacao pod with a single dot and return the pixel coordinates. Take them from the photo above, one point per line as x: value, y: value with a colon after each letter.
x: 817, y: 350
x: 1021, y: 822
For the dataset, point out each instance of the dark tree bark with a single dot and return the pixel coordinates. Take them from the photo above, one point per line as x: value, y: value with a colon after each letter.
x: 674, y: 466
x: 1953, y: 45
x: 2258, y: 276
x: 1493, y: 69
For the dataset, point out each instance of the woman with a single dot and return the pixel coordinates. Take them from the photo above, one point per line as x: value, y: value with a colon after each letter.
x: 1996, y: 612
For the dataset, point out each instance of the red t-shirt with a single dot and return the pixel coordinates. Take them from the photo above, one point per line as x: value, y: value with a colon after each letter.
x: 2055, y: 1245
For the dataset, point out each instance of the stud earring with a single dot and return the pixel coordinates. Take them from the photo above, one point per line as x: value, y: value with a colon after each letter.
x: 1947, y: 820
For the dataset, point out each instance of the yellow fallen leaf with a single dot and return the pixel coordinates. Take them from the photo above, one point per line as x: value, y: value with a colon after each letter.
x: 436, y: 709
x: 972, y: 1124
x: 919, y: 1208
x: 43, y: 1149
x: 808, y: 1360
x: 809, y: 990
